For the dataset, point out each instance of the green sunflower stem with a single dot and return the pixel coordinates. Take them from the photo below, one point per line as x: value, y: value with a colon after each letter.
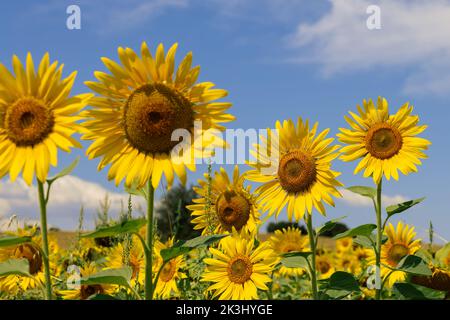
x: 149, y: 256
x: 312, y: 244
x: 379, y: 239
x: 43, y: 209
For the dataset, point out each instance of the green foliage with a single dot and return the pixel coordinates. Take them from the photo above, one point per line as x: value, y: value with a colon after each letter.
x: 409, y: 291
x: 9, y: 241
x: 130, y: 226
x: 364, y: 191
x: 364, y: 230
x: 398, y: 208
x: 183, y: 247
x: 15, y: 266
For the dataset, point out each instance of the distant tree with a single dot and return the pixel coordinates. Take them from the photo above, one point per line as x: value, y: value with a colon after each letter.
x: 338, y: 228
x: 273, y: 226
x: 173, y: 219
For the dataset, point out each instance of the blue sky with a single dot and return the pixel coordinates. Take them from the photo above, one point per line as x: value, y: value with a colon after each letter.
x: 279, y: 60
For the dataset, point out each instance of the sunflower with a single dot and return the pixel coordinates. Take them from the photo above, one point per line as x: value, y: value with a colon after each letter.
x: 386, y: 143
x: 170, y: 273
x: 344, y: 245
x: 131, y: 255
x: 31, y: 252
x: 224, y: 205
x: 238, y: 268
x: 85, y: 291
x: 140, y: 105
x: 36, y: 117
x: 289, y: 240
x: 302, y: 177
x: 400, y: 243
x: 439, y: 280
x: 324, y: 265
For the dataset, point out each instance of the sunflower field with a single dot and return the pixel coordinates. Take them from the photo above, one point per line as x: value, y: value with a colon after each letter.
x: 129, y: 114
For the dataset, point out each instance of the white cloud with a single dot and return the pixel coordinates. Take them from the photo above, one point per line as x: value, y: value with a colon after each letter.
x: 68, y: 194
x: 356, y: 200
x: 414, y: 34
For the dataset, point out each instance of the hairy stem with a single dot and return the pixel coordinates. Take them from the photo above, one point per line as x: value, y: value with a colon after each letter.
x: 43, y: 209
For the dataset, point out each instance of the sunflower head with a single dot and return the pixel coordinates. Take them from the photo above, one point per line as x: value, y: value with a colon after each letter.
x: 171, y: 272
x: 32, y: 254
x: 324, y: 265
x: 303, y: 178
x: 224, y: 204
x: 238, y: 268
x: 289, y: 240
x: 385, y: 143
x: 400, y: 243
x: 37, y: 117
x: 140, y: 105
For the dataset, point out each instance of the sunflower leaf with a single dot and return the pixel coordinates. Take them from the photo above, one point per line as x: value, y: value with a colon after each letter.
x: 398, y: 208
x: 296, y: 260
x: 329, y: 225
x: 409, y: 291
x: 343, y: 281
x: 414, y: 265
x: 119, y: 276
x: 368, y: 192
x: 129, y: 226
x: 64, y: 172
x: 134, y: 190
x: 13, y: 240
x: 362, y: 230
x: 183, y: 247
x: 20, y: 267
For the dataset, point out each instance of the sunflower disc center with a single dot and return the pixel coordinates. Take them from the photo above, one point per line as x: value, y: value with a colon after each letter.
x: 323, y: 266
x: 32, y: 254
x: 396, y: 253
x: 168, y: 271
x: 152, y: 113
x: 383, y: 141
x: 28, y: 122
x: 240, y: 269
x: 88, y: 290
x: 233, y: 210
x: 296, y: 171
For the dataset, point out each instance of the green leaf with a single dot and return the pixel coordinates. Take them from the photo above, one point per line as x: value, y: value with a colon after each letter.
x: 13, y: 241
x: 183, y: 247
x: 134, y: 190
x: 296, y: 260
x: 119, y: 276
x: 129, y: 226
x: 364, y: 191
x: 362, y: 230
x: 18, y: 267
x: 409, y: 291
x: 369, y: 242
x: 329, y: 225
x: 333, y: 294
x: 343, y: 281
x: 66, y: 171
x: 398, y: 208
x: 425, y: 255
x: 414, y: 265
x: 100, y: 296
